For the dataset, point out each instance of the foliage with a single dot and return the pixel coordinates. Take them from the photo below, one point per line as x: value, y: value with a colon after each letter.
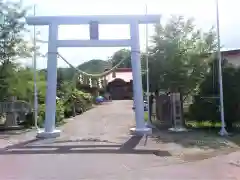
x: 126, y: 54
x: 7, y: 80
x: 59, y: 113
x: 76, y: 102
x: 12, y: 43
x: 60, y: 78
x: 24, y: 84
x: 12, y: 47
x: 207, y: 109
x: 179, y: 56
x: 119, y: 56
x: 18, y: 81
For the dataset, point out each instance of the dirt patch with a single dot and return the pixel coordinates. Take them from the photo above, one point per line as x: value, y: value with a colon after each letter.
x: 193, y: 145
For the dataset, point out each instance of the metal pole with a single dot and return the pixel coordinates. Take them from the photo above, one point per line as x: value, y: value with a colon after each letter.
x: 147, y: 70
x: 223, y: 130
x: 35, y: 73
x: 137, y: 79
x: 2, y: 19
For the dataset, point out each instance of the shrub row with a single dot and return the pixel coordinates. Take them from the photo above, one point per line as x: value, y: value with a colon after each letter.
x: 72, y: 104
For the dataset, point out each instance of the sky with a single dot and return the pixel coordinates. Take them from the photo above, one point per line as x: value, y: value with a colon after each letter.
x: 203, y: 11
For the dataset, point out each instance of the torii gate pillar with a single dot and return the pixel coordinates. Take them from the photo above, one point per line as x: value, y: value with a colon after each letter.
x: 54, y: 21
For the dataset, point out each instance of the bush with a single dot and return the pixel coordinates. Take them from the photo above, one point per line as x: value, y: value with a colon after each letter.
x: 29, y: 121
x: 59, y: 113
x: 77, y: 100
x: 207, y: 109
x: 84, y: 100
x: 71, y: 99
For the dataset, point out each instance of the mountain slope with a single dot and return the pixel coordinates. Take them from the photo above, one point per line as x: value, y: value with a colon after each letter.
x: 94, y: 66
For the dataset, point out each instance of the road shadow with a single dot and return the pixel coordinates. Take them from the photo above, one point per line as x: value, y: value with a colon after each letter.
x: 127, y: 147
x: 20, y: 145
x: 131, y: 143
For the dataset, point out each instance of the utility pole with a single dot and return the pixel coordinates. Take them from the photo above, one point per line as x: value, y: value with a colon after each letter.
x: 35, y: 73
x: 223, y: 131
x: 149, y: 123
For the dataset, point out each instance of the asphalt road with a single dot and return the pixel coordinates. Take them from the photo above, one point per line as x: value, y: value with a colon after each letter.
x: 97, y: 145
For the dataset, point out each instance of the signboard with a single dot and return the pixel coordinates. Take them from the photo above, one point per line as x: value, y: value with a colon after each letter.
x: 94, y: 34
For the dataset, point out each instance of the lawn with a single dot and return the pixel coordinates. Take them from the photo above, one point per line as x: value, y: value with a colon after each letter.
x: 194, y: 124
x: 204, y: 124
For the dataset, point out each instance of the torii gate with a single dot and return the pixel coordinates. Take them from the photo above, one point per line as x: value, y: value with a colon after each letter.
x: 53, y: 22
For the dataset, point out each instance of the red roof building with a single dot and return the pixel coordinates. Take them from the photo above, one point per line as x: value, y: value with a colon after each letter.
x: 119, y: 84
x: 121, y: 73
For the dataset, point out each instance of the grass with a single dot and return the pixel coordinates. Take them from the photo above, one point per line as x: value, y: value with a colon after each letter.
x: 145, y: 115
x: 195, y: 124
x: 204, y: 124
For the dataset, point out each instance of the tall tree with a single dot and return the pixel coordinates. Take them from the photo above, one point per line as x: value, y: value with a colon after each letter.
x: 180, y: 55
x: 123, y: 54
x: 12, y: 44
x: 23, y: 85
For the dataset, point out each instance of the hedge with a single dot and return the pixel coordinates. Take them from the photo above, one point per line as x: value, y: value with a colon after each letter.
x: 207, y: 109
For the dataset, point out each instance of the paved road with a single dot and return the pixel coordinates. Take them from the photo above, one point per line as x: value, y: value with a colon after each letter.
x: 96, y: 145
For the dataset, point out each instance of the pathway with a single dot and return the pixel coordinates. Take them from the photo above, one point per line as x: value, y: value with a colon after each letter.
x: 96, y: 145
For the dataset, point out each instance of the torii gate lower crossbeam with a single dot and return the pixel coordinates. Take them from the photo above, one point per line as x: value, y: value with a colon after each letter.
x: 53, y: 22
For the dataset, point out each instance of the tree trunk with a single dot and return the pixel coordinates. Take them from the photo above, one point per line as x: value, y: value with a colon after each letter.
x: 182, y: 110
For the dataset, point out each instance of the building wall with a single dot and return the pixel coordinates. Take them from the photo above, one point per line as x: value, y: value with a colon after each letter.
x: 120, y: 90
x: 233, y: 59
x: 126, y: 76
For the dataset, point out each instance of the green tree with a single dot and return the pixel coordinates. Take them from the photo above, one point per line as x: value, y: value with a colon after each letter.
x: 119, y: 56
x: 12, y: 45
x: 7, y: 79
x: 22, y: 85
x: 180, y: 55
x: 12, y: 42
x: 126, y: 55
x: 207, y: 109
x: 60, y: 78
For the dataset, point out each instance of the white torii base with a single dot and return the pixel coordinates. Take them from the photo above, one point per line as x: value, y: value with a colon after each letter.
x: 149, y: 125
x: 42, y: 134
x: 141, y: 131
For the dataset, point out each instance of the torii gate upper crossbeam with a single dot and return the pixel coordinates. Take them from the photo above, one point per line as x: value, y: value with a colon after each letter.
x: 101, y: 19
